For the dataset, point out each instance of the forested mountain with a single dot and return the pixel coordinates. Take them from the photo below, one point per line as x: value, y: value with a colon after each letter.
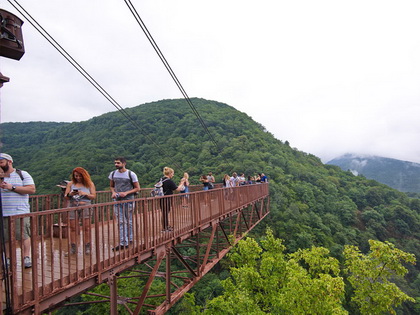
x: 311, y: 203
x: 401, y: 175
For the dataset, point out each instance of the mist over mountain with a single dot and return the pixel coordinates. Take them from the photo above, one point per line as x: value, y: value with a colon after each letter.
x: 311, y: 203
x: 401, y: 175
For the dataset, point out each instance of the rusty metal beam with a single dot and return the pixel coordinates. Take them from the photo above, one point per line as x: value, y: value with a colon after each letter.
x: 149, y: 283
x: 216, y: 222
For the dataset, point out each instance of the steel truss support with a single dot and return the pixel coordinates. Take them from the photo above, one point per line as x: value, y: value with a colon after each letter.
x: 179, y: 264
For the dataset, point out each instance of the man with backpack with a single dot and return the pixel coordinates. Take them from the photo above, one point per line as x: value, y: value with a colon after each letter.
x: 124, y: 185
x: 16, y: 186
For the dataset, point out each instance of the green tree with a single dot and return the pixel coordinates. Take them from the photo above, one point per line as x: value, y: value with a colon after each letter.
x: 370, y: 276
x: 266, y: 280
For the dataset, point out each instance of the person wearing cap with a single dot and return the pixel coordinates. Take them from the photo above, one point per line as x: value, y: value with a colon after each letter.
x: 16, y: 186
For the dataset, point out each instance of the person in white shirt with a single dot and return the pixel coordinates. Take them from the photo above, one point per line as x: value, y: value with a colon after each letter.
x: 16, y: 186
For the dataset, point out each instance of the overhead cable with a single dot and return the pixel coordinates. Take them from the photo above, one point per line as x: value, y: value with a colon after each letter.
x: 168, y: 67
x: 86, y: 75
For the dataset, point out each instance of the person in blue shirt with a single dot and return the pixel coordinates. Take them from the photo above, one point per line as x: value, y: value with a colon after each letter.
x: 264, y: 179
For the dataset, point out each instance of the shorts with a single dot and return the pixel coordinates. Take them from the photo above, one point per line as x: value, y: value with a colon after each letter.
x: 86, y: 214
x: 26, y: 228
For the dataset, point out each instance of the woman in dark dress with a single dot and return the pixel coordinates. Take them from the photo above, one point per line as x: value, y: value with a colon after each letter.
x: 168, y: 189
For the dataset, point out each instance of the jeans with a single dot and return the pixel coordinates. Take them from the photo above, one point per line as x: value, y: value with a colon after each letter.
x: 124, y: 213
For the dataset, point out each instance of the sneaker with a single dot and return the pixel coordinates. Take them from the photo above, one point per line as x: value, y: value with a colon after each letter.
x: 119, y: 247
x: 27, y: 262
x: 73, y: 249
x: 87, y: 249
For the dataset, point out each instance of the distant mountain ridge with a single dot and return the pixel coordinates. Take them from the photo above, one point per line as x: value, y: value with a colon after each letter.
x: 398, y: 174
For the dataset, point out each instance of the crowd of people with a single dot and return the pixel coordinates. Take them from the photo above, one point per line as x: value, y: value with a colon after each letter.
x: 235, y: 180
x: 17, y: 185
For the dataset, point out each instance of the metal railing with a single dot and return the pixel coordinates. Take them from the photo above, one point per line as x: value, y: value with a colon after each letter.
x: 57, y: 201
x: 54, y: 267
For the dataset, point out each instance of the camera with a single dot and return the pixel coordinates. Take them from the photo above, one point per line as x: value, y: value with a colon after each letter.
x: 75, y: 190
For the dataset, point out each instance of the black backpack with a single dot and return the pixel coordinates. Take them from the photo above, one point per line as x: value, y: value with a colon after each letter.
x: 19, y: 172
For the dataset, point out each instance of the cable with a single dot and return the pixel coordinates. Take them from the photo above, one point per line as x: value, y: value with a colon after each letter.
x: 86, y: 75
x: 168, y: 67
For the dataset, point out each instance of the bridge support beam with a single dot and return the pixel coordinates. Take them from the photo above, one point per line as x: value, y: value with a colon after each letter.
x: 187, y: 259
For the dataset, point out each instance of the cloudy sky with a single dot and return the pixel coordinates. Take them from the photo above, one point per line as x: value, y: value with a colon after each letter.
x: 328, y: 76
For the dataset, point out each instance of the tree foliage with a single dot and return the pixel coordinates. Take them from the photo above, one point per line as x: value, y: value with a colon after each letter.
x: 370, y: 276
x: 309, y: 281
x: 311, y: 204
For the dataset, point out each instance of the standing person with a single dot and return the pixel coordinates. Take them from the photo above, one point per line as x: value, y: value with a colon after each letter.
x: 168, y: 189
x: 211, y: 180
x: 234, y: 179
x: 205, y: 182
x: 16, y: 187
x: 242, y: 180
x: 249, y: 181
x: 186, y: 184
x: 80, y: 191
x: 124, y: 185
x: 185, y: 190
x: 264, y: 179
x: 226, y: 181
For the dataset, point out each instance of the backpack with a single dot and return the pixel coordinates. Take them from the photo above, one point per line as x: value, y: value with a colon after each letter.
x: 19, y: 172
x: 131, y: 179
x: 158, y: 190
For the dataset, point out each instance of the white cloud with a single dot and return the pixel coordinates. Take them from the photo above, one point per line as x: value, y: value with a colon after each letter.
x: 328, y: 76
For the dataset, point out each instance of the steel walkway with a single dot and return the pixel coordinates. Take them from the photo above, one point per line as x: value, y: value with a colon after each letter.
x: 206, y: 224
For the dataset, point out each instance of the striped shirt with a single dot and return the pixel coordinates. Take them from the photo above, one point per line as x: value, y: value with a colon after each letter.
x: 12, y: 202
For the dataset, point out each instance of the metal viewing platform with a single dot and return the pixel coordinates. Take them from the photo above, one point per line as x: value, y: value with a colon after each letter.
x: 205, y: 225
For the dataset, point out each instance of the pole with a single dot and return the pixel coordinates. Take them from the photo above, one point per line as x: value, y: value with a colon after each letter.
x: 7, y: 284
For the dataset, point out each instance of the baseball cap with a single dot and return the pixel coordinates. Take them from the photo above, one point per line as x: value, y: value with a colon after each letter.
x: 5, y: 156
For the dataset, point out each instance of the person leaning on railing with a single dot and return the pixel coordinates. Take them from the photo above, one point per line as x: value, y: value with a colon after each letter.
x: 80, y: 191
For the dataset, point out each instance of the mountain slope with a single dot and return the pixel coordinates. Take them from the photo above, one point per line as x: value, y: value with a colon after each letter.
x: 311, y: 203
x: 401, y: 175
x: 168, y: 134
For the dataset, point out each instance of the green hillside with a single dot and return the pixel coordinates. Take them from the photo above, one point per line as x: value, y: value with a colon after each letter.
x: 311, y: 203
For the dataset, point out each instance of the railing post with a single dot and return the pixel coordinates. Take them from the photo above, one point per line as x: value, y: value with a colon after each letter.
x: 113, y: 295
x: 168, y: 275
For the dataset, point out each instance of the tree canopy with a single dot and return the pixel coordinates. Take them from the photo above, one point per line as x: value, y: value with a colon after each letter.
x: 311, y: 204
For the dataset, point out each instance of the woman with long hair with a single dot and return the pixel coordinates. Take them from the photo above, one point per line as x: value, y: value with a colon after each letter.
x: 205, y: 181
x: 80, y: 191
x: 185, y: 190
x: 226, y: 181
x: 186, y: 184
x: 168, y: 189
